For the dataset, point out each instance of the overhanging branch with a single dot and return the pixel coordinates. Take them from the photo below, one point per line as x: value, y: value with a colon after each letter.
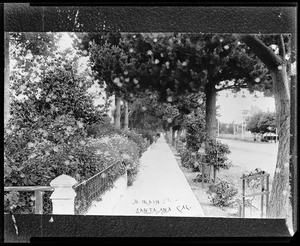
x: 233, y: 87
x: 263, y: 52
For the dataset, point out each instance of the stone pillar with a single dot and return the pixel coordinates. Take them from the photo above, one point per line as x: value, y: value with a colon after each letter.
x: 63, y: 195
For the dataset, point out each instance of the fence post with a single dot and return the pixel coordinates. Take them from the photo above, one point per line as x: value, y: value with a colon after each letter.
x: 63, y: 195
x: 38, y: 202
x: 243, y: 199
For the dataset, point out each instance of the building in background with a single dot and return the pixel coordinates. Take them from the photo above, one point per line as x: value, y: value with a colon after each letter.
x: 240, y: 123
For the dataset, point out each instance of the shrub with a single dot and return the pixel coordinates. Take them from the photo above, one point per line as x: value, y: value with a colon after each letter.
x: 190, y: 159
x: 195, y: 135
x: 222, y: 193
x: 138, y: 139
x: 108, y: 129
x: 80, y: 160
x: 35, y: 156
x: 101, y: 130
x: 217, y: 154
x: 46, y: 162
x: 148, y: 134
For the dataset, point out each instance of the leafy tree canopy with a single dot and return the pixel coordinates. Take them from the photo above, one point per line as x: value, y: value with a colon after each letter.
x: 261, y: 121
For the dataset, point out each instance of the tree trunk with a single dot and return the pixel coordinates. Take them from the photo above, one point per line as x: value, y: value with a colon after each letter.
x: 118, y: 112
x: 178, y: 138
x: 293, y: 139
x: 215, y: 174
x: 211, y: 111
x: 173, y: 137
x: 280, y: 186
x: 6, y: 80
x: 211, y: 119
x: 278, y: 205
x: 170, y: 135
x: 125, y: 115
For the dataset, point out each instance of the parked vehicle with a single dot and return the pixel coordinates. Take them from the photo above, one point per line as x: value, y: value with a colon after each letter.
x: 269, y: 136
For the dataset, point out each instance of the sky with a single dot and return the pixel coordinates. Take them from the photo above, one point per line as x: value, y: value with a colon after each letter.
x: 65, y: 41
x: 230, y: 108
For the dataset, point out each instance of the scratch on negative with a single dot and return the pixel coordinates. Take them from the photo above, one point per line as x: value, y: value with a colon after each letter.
x: 14, y: 220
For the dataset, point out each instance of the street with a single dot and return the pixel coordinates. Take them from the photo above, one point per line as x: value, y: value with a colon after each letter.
x: 251, y: 155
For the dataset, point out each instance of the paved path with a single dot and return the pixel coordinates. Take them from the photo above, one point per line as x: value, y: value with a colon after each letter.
x: 160, y: 189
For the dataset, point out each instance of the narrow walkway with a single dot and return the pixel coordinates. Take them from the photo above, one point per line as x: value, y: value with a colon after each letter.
x: 160, y: 189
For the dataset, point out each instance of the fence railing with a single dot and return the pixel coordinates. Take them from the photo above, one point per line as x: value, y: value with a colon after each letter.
x: 264, y: 192
x: 28, y: 199
x: 92, y: 188
x: 37, y: 199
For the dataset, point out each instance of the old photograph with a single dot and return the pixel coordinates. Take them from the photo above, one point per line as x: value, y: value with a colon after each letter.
x: 171, y: 124
x: 163, y: 124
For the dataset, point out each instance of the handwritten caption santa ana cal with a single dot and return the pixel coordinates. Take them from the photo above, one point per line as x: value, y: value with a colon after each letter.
x: 160, y: 206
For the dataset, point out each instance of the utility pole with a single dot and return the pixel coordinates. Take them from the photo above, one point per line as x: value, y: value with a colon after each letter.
x: 218, y: 127
x: 242, y: 127
x: 233, y: 128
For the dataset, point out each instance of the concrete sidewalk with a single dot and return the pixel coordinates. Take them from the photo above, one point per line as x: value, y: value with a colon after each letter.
x: 160, y: 189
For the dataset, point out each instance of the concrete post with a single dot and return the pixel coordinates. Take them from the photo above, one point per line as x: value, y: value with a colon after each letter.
x: 63, y: 195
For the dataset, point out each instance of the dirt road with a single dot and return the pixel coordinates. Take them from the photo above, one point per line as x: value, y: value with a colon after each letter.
x: 251, y: 155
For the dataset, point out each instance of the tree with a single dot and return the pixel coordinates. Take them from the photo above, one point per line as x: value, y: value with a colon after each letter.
x: 49, y: 86
x: 252, y: 124
x: 34, y: 43
x: 6, y: 78
x: 146, y: 113
x: 277, y: 65
x: 126, y: 122
x: 205, y: 62
x: 195, y: 130
x: 107, y: 56
x: 226, y: 128
x: 267, y: 120
x: 173, y: 64
x: 189, y: 105
x: 260, y: 122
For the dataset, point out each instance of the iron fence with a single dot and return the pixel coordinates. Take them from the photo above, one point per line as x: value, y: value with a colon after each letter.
x: 93, y: 188
x: 36, y: 199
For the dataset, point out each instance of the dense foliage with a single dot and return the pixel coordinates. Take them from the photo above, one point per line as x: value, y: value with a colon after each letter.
x: 51, y: 129
x: 261, y: 121
x: 195, y: 131
x: 222, y: 193
x: 217, y: 154
x: 226, y: 128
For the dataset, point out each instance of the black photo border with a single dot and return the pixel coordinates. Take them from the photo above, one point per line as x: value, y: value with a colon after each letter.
x: 262, y: 18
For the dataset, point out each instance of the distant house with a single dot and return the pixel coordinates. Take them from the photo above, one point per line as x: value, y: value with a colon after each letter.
x: 242, y: 120
x: 248, y: 113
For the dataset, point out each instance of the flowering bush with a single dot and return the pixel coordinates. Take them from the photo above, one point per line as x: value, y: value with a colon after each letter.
x: 116, y: 148
x: 222, y: 193
x: 138, y: 139
x: 107, y: 129
x: 35, y: 155
x: 80, y: 160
